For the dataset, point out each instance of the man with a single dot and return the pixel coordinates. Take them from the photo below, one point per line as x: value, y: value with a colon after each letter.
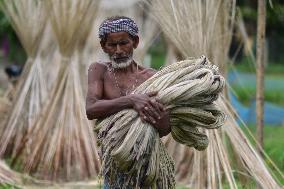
x: 110, y: 84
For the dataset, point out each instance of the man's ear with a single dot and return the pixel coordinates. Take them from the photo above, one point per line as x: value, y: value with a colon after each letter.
x: 136, y: 42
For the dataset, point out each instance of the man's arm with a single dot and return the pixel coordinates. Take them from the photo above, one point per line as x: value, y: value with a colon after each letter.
x: 97, y: 107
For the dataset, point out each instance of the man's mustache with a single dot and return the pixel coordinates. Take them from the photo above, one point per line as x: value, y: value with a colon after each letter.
x: 120, y: 56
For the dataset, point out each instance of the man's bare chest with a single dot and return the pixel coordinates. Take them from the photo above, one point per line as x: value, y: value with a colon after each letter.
x: 117, y: 85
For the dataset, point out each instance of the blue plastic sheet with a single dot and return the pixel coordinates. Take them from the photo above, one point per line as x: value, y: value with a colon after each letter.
x: 273, y: 113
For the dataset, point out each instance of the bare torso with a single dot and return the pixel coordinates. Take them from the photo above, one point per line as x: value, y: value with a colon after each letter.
x: 117, y: 83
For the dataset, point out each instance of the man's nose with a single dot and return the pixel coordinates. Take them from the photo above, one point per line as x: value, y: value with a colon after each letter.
x: 118, y: 49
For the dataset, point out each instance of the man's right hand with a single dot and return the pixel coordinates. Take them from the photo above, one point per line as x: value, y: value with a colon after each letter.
x: 148, y: 108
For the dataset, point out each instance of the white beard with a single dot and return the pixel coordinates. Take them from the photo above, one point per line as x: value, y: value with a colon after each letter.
x: 121, y: 65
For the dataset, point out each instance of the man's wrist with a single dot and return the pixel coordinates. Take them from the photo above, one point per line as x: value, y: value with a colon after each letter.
x: 129, y: 100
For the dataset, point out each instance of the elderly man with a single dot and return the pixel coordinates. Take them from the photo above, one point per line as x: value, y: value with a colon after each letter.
x: 110, y: 84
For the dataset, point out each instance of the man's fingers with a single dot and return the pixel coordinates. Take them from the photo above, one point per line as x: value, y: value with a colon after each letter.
x: 149, y: 117
x: 158, y: 104
x: 152, y: 110
x: 161, y: 107
x: 143, y: 116
x: 153, y: 93
x: 157, y: 107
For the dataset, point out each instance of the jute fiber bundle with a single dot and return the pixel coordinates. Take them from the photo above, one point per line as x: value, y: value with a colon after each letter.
x: 205, y: 27
x: 197, y: 27
x: 62, y: 142
x: 4, y: 106
x: 81, y: 54
x: 188, y: 89
x: 28, y: 20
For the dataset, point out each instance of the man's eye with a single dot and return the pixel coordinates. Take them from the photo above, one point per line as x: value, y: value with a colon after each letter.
x: 123, y: 43
x: 111, y: 44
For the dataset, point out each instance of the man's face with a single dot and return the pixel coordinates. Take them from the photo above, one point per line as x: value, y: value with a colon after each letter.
x: 119, y: 46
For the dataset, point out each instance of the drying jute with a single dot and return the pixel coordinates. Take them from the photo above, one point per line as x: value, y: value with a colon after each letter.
x: 133, y: 155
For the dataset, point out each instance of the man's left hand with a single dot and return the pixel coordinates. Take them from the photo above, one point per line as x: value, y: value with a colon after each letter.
x: 161, y: 121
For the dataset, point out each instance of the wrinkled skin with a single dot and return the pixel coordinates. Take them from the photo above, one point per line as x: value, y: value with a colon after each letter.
x: 108, y: 92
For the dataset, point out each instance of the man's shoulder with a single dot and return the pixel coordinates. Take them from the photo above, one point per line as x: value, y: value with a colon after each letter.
x: 97, y: 70
x: 99, y: 64
x: 149, y: 71
x: 98, y: 67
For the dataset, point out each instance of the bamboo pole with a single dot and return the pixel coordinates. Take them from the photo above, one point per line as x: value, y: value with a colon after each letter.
x: 260, y: 61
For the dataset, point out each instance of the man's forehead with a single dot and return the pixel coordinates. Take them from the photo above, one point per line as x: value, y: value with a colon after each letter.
x: 118, y: 36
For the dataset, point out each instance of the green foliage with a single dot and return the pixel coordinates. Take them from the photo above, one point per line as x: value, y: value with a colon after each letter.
x: 158, y: 53
x: 4, y: 23
x: 8, y: 186
x: 16, y: 52
x: 274, y: 15
x: 157, y: 61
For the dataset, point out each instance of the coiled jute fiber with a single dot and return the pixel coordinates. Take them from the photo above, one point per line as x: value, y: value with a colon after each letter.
x: 132, y: 152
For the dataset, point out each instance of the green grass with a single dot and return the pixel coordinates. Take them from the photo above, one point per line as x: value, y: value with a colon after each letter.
x: 8, y: 186
x: 273, y: 144
x: 246, y: 95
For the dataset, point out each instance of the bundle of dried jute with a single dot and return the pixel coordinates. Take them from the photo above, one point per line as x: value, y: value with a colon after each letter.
x: 188, y: 89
